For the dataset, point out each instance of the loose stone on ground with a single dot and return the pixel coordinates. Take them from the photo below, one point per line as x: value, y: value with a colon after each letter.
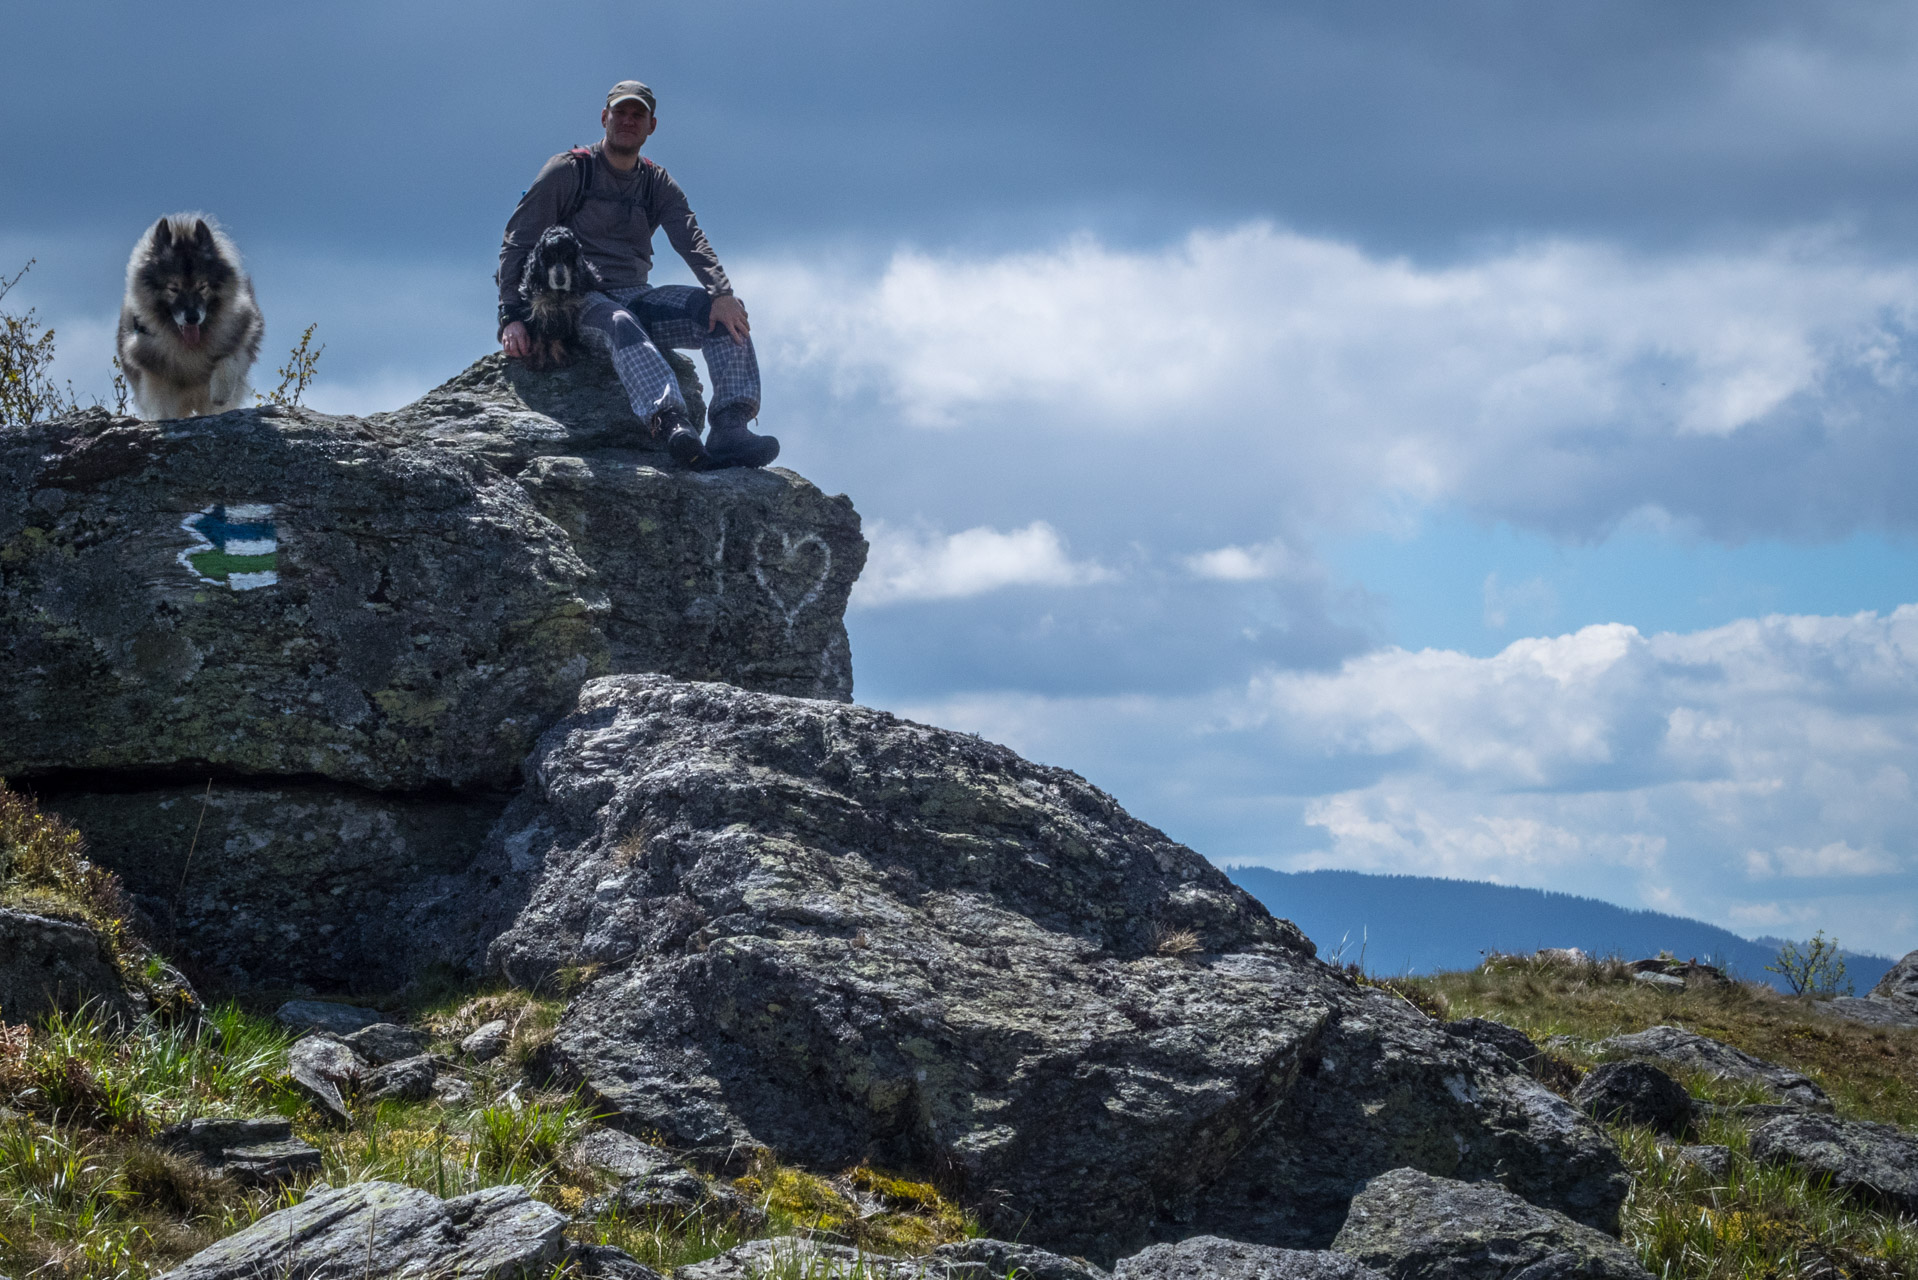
x: 1879, y: 1162
x: 1687, y: 1049
x: 1412, y: 1226
x: 1634, y: 1093
x: 375, y: 1230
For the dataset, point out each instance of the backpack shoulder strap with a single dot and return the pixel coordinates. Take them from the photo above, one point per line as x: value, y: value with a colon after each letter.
x: 582, y: 158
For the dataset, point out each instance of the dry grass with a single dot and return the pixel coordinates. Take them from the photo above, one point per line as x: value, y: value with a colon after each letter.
x: 1760, y: 1222
x: 1871, y: 1072
x: 86, y: 1192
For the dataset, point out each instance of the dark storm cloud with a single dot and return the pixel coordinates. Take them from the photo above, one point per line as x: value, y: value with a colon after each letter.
x: 1409, y: 125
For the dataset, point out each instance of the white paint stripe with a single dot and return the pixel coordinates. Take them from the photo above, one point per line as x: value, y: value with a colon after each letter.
x: 251, y: 546
x: 200, y: 543
x: 248, y: 581
x: 250, y: 511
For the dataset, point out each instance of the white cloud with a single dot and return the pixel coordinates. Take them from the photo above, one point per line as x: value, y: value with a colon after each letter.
x: 1249, y: 564
x: 907, y: 564
x: 1834, y: 859
x: 1561, y: 384
x: 1686, y: 772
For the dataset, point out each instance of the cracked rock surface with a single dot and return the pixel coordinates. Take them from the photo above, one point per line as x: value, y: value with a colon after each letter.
x: 282, y: 667
x: 842, y: 935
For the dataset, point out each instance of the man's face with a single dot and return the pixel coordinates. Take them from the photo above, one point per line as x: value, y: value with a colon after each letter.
x: 628, y: 125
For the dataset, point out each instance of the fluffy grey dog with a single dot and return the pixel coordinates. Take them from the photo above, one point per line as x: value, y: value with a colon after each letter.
x: 189, y: 328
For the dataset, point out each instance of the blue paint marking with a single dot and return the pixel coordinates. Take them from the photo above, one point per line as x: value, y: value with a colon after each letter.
x: 234, y: 546
x: 217, y: 529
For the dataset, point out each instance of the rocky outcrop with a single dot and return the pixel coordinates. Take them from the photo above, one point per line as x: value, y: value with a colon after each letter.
x: 1412, y: 1226
x: 374, y: 1230
x: 1892, y: 1003
x: 1690, y: 1051
x: 279, y: 593
x: 842, y: 935
x: 1878, y: 1162
x: 282, y: 668
x: 739, y: 576
x: 1900, y: 983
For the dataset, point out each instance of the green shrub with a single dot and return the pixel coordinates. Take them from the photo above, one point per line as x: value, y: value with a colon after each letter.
x: 1815, y: 969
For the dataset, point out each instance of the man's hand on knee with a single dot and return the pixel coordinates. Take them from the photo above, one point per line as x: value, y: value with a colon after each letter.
x: 730, y: 312
x: 513, y: 340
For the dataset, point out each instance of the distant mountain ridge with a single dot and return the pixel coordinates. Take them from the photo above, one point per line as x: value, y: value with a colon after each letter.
x: 1421, y: 924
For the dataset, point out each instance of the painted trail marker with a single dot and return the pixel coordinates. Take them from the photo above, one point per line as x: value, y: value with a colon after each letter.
x: 234, y: 546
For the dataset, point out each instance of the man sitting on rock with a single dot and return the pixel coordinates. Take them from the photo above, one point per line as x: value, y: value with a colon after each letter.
x: 612, y: 198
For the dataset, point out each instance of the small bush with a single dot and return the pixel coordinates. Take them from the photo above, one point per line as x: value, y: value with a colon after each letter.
x: 1816, y: 968
x: 27, y: 391
x: 297, y: 373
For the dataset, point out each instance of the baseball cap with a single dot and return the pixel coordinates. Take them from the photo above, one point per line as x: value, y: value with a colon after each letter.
x: 631, y: 89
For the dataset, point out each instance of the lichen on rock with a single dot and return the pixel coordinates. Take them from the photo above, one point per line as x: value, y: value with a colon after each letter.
x: 841, y: 935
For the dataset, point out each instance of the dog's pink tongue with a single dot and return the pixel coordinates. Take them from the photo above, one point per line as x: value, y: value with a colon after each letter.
x: 191, y: 334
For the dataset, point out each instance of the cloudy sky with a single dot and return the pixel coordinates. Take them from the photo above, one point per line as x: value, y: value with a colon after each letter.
x: 1471, y: 440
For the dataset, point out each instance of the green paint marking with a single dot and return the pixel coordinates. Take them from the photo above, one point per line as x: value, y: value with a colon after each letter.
x: 211, y: 564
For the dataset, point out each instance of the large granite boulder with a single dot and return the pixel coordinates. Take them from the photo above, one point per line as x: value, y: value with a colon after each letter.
x: 278, y: 593
x: 1900, y: 982
x: 829, y: 931
x: 1412, y: 1226
x: 740, y: 576
x: 282, y: 668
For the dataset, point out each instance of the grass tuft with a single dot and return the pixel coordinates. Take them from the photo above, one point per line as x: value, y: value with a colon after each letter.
x: 1761, y: 1221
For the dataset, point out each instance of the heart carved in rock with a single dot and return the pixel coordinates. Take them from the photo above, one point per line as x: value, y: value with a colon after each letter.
x: 791, y: 579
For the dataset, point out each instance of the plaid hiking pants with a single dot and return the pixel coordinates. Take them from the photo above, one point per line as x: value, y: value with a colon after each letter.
x: 633, y: 324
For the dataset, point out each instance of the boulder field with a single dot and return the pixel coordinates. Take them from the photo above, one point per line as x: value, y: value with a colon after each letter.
x: 487, y: 682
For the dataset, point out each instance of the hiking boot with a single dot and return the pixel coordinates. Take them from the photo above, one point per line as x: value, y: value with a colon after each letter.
x: 731, y: 443
x: 682, y: 442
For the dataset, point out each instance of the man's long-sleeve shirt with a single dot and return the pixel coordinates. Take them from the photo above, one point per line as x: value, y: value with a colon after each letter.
x: 615, y: 226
